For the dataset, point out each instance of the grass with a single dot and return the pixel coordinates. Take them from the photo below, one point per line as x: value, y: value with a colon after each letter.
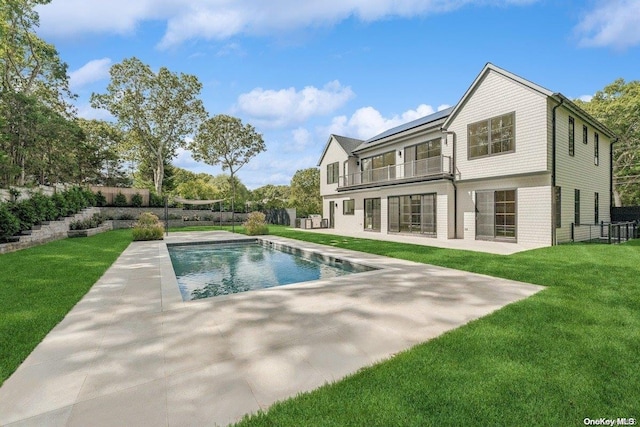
x: 570, y: 352
x: 39, y: 286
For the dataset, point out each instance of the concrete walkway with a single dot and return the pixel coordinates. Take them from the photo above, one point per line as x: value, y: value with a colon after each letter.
x: 132, y: 353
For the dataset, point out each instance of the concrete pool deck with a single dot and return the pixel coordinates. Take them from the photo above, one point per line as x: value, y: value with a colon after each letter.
x: 132, y: 353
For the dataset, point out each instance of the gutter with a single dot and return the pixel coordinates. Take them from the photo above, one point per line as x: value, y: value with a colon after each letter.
x: 611, y: 200
x: 553, y: 174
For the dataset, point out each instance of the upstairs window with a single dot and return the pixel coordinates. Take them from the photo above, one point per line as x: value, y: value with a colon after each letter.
x: 333, y: 172
x: 596, y: 149
x: 585, y: 134
x: 572, y: 137
x: 492, y: 136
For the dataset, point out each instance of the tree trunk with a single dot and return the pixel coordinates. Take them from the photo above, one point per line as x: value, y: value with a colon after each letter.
x: 233, y: 202
x: 158, y: 175
x: 617, y: 200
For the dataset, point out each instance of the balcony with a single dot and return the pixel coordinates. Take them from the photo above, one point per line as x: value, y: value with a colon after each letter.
x: 418, y: 170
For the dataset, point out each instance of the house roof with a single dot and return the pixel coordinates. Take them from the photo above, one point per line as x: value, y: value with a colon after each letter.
x: 405, y: 127
x: 347, y: 144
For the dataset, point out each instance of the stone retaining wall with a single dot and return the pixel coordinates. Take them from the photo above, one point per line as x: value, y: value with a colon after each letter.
x: 55, y: 230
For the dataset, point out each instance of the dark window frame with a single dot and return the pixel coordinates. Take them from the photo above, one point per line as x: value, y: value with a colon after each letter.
x: 376, y: 214
x: 596, y: 149
x: 596, y: 208
x: 572, y: 136
x: 349, y: 207
x: 576, y: 207
x: 558, y: 201
x: 333, y: 172
x: 490, y: 142
x: 585, y: 134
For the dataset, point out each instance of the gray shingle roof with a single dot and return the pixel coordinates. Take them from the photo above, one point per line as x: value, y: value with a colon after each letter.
x: 348, y: 144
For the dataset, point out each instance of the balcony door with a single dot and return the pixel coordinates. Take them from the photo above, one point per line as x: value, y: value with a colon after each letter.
x: 423, y: 159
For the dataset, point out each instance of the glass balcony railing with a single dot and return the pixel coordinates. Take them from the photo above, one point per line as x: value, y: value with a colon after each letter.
x: 424, y: 168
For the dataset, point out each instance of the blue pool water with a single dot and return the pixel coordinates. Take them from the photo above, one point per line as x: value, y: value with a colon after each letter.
x: 205, y: 271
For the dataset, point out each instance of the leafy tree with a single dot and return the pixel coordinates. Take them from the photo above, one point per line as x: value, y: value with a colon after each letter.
x: 617, y: 106
x: 224, y: 140
x: 102, y: 161
x: 305, y: 192
x: 270, y: 197
x: 29, y: 65
x: 157, y: 110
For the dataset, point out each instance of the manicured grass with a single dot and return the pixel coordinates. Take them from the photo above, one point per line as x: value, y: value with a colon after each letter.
x: 571, y: 351
x: 38, y: 287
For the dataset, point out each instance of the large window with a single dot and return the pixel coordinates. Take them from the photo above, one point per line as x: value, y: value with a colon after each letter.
x: 333, y: 173
x: 492, y: 136
x: 423, y: 158
x: 576, y: 207
x: 596, y: 208
x: 372, y: 214
x: 496, y: 215
x: 572, y: 136
x: 596, y: 149
x: 348, y: 207
x: 376, y: 168
x: 413, y: 214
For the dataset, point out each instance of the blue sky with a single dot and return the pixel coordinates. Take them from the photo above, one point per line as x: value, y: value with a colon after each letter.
x: 299, y: 71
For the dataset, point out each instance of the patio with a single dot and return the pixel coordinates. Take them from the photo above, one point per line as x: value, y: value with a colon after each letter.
x: 132, y: 353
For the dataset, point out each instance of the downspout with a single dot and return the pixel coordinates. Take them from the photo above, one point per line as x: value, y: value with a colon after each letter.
x: 553, y: 174
x: 453, y: 181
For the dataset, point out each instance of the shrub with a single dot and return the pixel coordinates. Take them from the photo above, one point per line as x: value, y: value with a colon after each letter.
x: 44, y: 206
x: 26, y: 214
x: 148, y: 227
x: 255, y: 224
x: 100, y: 199
x: 95, y: 221
x: 156, y: 201
x: 136, y: 200
x: 120, y: 200
x: 126, y: 217
x: 9, y: 224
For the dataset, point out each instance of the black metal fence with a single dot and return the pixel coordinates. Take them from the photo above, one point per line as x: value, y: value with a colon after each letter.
x: 626, y: 214
x: 605, y: 232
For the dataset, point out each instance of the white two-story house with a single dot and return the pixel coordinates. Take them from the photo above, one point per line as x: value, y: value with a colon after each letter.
x: 511, y: 161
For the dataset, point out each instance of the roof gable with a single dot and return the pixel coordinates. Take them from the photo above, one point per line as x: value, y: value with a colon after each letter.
x: 489, y: 67
x: 347, y: 145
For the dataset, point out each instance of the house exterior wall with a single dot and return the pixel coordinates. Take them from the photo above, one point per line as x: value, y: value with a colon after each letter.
x: 347, y: 223
x: 579, y: 172
x: 496, y: 95
x: 533, y: 207
x: 334, y: 153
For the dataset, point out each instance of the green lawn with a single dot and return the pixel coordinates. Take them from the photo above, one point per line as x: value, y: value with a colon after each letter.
x: 571, y: 351
x: 38, y: 287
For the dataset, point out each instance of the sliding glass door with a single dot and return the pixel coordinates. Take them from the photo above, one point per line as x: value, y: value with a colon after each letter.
x: 413, y: 214
x: 372, y: 214
x: 496, y: 215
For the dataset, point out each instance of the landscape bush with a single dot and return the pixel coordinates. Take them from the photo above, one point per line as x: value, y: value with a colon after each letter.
x: 100, y: 199
x: 255, y: 224
x: 120, y: 200
x: 25, y: 212
x: 45, y: 207
x: 148, y: 227
x: 9, y: 224
x: 95, y: 221
x: 136, y: 200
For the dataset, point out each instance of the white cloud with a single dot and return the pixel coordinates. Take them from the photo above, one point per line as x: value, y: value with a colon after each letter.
x: 86, y: 111
x: 443, y: 107
x: 586, y: 98
x: 301, y: 139
x: 367, y: 122
x: 221, y: 19
x: 277, y: 108
x: 91, y: 72
x: 614, y: 23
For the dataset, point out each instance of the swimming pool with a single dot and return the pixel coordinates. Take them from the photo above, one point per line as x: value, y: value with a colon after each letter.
x: 210, y: 270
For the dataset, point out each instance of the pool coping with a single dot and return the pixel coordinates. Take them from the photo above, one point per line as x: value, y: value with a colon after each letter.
x: 129, y: 354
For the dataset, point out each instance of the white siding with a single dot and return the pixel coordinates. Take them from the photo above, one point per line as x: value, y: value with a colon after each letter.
x: 334, y: 153
x: 496, y: 95
x: 533, y: 203
x: 580, y: 172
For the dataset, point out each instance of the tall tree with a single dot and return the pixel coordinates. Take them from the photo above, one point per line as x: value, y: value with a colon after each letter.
x: 617, y: 106
x: 102, y: 161
x: 224, y: 140
x: 158, y: 110
x: 305, y: 192
x: 28, y: 64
